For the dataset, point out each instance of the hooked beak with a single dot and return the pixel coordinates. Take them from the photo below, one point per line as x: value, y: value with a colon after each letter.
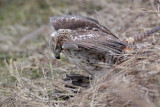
x: 57, y: 56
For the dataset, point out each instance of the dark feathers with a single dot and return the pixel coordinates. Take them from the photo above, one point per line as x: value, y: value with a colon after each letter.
x: 74, y: 22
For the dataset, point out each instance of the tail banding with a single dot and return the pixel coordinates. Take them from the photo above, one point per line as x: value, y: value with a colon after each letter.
x: 139, y: 38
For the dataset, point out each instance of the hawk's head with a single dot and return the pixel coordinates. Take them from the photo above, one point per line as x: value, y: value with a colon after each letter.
x: 57, y: 39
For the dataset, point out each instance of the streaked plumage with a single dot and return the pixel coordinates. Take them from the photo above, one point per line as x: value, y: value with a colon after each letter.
x: 85, y: 42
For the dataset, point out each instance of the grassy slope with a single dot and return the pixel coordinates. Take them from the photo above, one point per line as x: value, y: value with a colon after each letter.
x: 30, y: 76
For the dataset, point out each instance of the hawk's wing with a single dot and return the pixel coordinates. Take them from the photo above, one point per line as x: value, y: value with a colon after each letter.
x: 88, y: 33
x: 96, y: 41
x: 75, y: 22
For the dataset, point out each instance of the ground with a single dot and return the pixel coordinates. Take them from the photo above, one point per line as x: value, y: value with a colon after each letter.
x: 31, y: 76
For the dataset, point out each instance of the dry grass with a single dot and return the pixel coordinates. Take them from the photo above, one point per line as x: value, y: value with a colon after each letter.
x: 30, y: 76
x: 135, y: 85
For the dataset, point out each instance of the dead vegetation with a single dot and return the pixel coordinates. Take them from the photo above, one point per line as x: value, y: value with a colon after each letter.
x: 30, y: 76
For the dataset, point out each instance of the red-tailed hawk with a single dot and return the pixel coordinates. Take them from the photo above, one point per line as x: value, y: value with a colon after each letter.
x: 85, y: 43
